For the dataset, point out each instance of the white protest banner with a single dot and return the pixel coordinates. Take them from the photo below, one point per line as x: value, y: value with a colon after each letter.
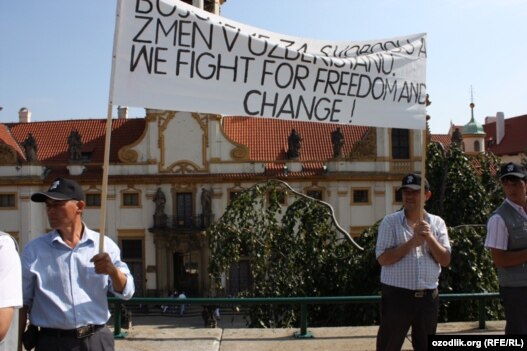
x: 172, y: 56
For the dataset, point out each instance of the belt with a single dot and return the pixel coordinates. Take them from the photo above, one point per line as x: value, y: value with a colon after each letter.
x: 415, y: 293
x: 77, y: 333
x: 424, y: 292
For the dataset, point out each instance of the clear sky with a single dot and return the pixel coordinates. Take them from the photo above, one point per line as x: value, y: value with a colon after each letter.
x: 55, y: 55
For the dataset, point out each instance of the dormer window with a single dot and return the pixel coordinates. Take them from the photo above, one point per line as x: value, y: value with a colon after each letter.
x: 86, y: 156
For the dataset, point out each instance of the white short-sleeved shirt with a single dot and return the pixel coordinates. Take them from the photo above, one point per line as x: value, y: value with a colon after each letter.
x: 497, y: 233
x: 11, y: 277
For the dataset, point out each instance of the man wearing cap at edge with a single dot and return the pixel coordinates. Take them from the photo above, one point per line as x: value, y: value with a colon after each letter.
x: 65, y: 279
x: 507, y: 241
x: 411, y: 252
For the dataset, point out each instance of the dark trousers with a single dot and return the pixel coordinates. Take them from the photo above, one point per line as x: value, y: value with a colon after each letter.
x: 514, y: 301
x: 102, y: 340
x: 402, y: 309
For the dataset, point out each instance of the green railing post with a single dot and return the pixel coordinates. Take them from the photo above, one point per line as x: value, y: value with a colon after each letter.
x: 117, y: 332
x: 481, y: 304
x: 304, y: 334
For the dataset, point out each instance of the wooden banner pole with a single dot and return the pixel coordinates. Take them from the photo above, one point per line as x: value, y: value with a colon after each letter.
x: 105, y: 169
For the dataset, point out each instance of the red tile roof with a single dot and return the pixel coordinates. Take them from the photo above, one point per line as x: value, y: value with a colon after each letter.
x: 266, y: 138
x: 7, y: 138
x: 52, y: 137
x: 515, y: 139
x: 444, y: 139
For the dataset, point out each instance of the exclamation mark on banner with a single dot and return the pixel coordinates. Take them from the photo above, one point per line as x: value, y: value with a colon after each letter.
x: 352, y: 111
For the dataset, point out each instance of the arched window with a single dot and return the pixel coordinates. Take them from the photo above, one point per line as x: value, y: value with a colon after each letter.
x: 477, y: 146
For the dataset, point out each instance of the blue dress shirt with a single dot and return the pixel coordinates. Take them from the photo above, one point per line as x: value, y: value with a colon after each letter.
x: 60, y: 285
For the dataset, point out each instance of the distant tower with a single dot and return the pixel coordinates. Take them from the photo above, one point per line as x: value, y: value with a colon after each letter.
x: 473, y: 133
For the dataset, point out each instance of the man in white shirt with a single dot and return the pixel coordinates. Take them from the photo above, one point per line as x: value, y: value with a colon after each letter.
x: 411, y: 249
x: 10, y: 293
x: 507, y: 241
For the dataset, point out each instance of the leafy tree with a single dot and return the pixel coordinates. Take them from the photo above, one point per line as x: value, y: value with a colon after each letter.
x: 465, y: 190
x: 293, y: 251
x: 455, y: 179
x: 299, y: 251
x: 489, y: 165
x: 471, y: 270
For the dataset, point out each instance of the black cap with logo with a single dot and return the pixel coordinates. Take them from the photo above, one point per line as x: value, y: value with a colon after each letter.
x: 413, y: 181
x: 60, y: 189
x: 512, y: 170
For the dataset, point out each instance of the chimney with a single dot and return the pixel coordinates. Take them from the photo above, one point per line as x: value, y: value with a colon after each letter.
x: 500, y: 127
x: 122, y: 112
x: 24, y: 115
x: 198, y: 3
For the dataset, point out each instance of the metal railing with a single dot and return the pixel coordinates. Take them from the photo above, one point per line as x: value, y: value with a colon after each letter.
x: 302, y: 301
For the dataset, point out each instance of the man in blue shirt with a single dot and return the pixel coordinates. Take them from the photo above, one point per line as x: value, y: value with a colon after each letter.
x: 66, y: 280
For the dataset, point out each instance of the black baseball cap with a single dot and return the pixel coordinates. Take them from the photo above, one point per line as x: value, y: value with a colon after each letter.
x: 60, y: 189
x: 413, y: 181
x: 512, y: 170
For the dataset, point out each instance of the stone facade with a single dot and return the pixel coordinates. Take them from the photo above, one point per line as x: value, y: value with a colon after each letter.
x: 182, y: 155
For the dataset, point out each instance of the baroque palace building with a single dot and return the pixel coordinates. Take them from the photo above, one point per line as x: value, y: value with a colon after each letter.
x: 172, y: 174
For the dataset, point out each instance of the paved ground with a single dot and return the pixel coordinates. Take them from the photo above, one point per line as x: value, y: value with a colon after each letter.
x: 168, y: 333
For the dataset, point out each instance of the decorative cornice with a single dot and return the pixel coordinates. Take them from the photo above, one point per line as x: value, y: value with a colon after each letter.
x: 126, y: 154
x: 203, y: 123
x: 240, y: 151
x: 183, y: 167
x: 162, y: 122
